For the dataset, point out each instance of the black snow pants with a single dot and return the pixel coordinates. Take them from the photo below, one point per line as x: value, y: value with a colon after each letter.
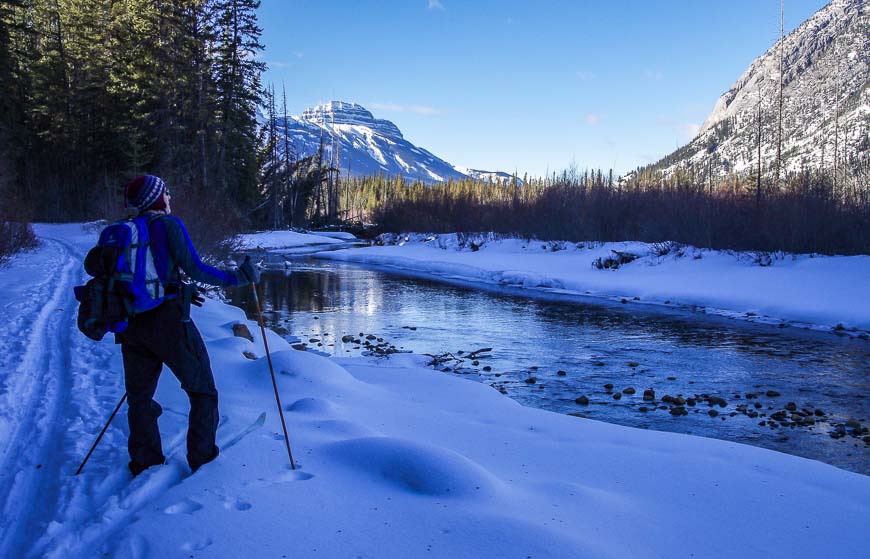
x: 151, y: 340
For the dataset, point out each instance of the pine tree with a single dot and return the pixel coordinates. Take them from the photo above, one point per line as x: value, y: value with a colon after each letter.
x: 14, y: 35
x: 237, y: 80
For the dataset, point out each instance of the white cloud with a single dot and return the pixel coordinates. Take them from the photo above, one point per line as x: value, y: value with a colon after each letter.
x: 284, y: 63
x: 653, y: 74
x: 434, y: 4
x: 415, y: 109
x: 389, y: 107
x: 424, y: 110
x: 585, y: 76
x: 592, y: 119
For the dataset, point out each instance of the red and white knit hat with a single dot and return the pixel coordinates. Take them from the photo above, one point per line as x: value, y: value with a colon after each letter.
x: 142, y: 192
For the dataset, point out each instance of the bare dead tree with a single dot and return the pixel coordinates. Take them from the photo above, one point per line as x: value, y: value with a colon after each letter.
x: 836, y: 112
x: 781, y: 80
x: 289, y: 171
x: 758, y: 139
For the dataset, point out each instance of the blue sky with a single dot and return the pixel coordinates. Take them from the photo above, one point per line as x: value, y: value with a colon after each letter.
x: 522, y: 85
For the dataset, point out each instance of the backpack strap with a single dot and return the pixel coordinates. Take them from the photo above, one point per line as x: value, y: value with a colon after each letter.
x: 167, y: 289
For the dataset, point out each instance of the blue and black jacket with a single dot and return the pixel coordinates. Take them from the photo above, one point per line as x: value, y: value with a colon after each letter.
x: 173, y: 252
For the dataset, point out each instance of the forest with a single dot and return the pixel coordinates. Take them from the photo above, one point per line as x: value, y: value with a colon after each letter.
x: 95, y: 92
x: 805, y: 212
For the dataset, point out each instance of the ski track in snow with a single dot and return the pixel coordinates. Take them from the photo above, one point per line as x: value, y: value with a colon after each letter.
x: 123, y: 499
x: 59, y: 391
x: 39, y: 386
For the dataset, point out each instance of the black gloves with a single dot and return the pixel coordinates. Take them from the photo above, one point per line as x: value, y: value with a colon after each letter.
x: 251, y: 272
x: 195, y: 297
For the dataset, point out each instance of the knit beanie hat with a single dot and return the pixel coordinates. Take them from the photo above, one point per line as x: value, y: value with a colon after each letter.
x: 142, y: 192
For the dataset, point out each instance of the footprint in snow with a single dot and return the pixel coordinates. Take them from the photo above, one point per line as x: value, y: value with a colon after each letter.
x: 294, y: 475
x: 187, y: 506
x: 287, y: 476
x: 237, y: 504
x: 198, y: 545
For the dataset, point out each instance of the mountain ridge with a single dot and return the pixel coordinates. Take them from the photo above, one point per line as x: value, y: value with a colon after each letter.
x: 826, y: 103
x: 363, y: 145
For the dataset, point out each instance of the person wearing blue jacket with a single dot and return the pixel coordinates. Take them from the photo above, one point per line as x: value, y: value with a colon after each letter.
x: 167, y: 335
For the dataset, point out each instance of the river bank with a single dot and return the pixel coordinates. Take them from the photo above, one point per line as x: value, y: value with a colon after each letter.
x: 823, y: 293
x: 637, y: 366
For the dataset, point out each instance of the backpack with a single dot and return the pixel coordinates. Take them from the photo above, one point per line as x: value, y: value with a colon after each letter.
x: 125, y: 281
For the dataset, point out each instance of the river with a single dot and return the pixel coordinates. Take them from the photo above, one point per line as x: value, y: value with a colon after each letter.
x: 547, y: 354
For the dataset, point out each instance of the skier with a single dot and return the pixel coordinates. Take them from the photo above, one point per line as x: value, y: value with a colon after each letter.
x: 166, y: 335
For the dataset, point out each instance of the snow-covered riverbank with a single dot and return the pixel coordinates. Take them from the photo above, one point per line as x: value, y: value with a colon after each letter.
x: 817, y: 292
x: 395, y: 460
x: 293, y: 242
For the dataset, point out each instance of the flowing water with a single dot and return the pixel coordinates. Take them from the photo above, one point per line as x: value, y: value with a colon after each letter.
x: 573, y: 349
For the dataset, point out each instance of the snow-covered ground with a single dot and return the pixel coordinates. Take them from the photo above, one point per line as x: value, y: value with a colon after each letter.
x: 295, y: 243
x: 810, y: 291
x: 394, y: 460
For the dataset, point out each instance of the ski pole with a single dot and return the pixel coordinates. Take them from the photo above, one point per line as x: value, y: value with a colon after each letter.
x: 100, y: 436
x: 272, y: 372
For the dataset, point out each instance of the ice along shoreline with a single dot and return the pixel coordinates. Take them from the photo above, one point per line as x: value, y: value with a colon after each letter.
x: 819, y: 293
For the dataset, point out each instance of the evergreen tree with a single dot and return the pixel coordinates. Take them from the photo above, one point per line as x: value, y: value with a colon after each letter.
x: 95, y: 91
x: 237, y: 81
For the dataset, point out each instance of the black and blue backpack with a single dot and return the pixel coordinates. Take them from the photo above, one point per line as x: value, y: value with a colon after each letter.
x: 124, y: 279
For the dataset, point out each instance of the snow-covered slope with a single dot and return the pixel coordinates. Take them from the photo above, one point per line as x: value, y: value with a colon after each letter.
x: 488, y: 176
x: 364, y: 144
x: 826, y: 101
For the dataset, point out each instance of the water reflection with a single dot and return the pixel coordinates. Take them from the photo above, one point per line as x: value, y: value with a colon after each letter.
x: 593, y: 345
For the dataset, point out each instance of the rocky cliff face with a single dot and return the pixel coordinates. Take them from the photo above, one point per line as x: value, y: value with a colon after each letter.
x: 826, y: 103
x: 341, y: 113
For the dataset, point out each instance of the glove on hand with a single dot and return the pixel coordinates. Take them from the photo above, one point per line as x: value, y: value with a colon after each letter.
x: 196, y: 298
x: 251, y: 272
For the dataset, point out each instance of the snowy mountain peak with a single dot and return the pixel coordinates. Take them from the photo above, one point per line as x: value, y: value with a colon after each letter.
x: 365, y: 145
x: 335, y: 113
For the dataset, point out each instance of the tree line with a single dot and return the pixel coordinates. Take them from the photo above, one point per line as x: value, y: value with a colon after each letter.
x: 94, y: 92
x: 803, y: 213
